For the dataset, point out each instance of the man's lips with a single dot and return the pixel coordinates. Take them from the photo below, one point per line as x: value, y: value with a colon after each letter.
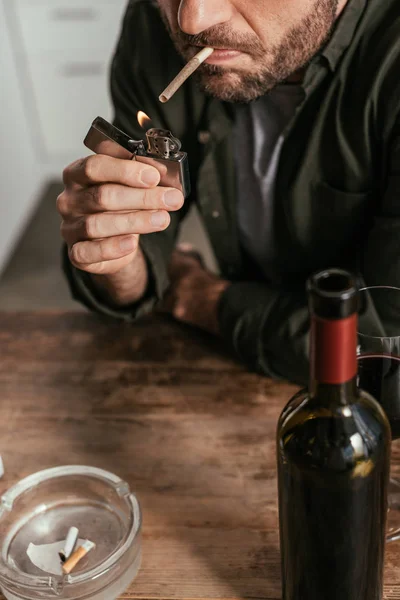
x: 220, y: 54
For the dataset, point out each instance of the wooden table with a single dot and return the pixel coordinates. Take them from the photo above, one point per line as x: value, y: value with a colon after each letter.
x: 172, y: 413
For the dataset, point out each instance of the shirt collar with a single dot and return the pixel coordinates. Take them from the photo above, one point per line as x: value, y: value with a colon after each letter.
x: 221, y: 114
x: 343, y: 32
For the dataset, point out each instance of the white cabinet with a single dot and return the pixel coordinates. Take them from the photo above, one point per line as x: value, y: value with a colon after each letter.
x: 19, y: 178
x: 54, y: 64
x: 70, y: 91
x: 49, y: 25
x: 66, y: 47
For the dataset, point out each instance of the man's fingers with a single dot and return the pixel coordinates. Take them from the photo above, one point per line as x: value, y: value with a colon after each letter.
x: 105, y: 225
x: 108, y: 267
x: 99, y: 168
x: 114, y: 197
x: 173, y: 304
x: 83, y: 254
x: 168, y: 302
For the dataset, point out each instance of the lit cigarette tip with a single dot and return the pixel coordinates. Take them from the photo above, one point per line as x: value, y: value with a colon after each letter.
x: 77, y: 556
x: 187, y: 70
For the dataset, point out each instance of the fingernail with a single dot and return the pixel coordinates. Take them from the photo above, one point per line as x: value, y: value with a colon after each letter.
x: 173, y: 198
x: 149, y: 177
x: 126, y: 244
x: 158, y: 219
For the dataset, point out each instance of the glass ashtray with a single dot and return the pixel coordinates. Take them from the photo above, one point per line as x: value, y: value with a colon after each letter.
x: 41, y: 509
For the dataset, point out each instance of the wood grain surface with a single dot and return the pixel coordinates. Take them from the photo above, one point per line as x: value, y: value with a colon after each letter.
x: 171, y: 412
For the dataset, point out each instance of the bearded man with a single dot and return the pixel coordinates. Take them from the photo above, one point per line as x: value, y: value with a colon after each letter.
x: 292, y: 128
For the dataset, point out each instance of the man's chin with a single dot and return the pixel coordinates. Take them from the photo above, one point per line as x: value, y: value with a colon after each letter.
x: 232, y: 86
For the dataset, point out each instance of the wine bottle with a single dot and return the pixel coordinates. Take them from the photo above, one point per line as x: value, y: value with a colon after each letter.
x: 333, y: 452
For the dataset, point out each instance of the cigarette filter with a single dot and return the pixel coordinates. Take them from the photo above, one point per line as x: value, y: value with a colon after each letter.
x: 77, y: 556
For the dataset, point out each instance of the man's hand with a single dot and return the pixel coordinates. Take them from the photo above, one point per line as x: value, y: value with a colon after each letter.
x: 194, y: 293
x: 106, y: 204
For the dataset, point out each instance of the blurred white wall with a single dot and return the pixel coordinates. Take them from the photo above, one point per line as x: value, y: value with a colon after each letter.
x: 54, y: 65
x: 19, y: 177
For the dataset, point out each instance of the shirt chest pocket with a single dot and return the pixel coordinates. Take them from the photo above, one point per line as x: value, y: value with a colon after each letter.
x: 335, y: 224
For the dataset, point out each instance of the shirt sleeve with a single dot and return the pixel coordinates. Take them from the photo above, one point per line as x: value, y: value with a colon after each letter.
x: 134, y: 85
x: 269, y: 328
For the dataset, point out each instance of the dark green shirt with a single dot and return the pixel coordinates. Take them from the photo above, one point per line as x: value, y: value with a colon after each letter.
x: 337, y: 199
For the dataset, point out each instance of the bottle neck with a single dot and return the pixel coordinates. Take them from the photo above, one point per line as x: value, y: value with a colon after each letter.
x: 338, y: 394
x: 333, y: 358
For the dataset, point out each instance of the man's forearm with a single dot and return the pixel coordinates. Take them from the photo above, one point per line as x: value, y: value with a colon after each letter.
x: 128, y: 285
x: 267, y: 327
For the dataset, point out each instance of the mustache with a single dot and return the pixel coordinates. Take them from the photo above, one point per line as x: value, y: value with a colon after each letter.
x: 220, y: 36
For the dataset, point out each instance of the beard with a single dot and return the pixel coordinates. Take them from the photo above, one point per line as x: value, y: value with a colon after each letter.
x: 270, y: 65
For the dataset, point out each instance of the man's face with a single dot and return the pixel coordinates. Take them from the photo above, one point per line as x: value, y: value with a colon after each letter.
x: 260, y: 42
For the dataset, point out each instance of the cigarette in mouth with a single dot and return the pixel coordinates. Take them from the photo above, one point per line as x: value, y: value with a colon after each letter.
x: 69, y: 544
x: 187, y: 70
x: 73, y: 560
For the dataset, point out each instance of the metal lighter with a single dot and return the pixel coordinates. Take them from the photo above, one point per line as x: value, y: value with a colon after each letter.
x: 163, y: 151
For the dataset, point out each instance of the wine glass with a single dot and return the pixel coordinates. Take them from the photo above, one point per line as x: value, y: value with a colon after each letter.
x: 379, y: 370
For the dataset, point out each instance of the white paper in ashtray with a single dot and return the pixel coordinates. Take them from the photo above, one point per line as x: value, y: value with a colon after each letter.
x: 46, y: 557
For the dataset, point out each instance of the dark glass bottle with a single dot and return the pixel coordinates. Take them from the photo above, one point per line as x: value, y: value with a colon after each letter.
x: 333, y: 450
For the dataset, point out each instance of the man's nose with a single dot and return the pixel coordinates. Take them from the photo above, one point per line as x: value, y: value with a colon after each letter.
x: 195, y: 16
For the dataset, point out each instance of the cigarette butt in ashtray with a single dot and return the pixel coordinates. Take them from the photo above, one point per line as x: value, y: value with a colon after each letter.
x: 187, y: 70
x: 70, y: 543
x: 77, y: 556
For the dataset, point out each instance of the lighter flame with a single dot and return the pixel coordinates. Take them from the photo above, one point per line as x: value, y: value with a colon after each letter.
x: 144, y: 120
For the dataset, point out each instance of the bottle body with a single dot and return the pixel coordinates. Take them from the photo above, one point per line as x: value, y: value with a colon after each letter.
x: 333, y: 468
x: 333, y: 453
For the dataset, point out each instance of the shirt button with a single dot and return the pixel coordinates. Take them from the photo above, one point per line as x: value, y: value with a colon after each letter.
x: 204, y: 137
x: 215, y: 214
